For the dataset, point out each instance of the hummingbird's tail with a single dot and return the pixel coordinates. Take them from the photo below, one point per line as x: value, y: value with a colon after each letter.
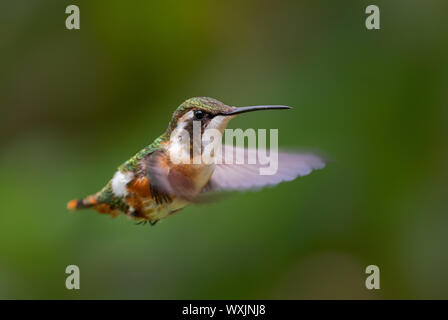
x: 87, y: 202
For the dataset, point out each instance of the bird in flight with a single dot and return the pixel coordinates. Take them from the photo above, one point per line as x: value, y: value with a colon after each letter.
x: 154, y: 184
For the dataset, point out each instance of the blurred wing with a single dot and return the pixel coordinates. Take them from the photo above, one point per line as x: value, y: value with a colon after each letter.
x: 228, y: 177
x: 166, y: 180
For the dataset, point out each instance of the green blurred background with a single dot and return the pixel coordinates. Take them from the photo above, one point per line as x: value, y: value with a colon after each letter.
x: 76, y: 104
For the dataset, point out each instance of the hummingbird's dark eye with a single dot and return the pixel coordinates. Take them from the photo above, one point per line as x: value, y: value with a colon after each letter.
x: 199, y: 114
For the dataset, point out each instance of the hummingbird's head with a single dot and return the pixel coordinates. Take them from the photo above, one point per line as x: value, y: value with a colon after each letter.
x: 206, y: 114
x: 211, y: 113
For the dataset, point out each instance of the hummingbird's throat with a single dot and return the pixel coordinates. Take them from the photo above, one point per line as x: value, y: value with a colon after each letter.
x: 196, y: 142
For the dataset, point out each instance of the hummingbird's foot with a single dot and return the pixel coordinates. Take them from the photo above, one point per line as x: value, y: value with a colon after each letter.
x: 143, y: 222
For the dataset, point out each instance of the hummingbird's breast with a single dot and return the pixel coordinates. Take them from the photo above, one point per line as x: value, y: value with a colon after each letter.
x: 142, y: 200
x: 178, y: 158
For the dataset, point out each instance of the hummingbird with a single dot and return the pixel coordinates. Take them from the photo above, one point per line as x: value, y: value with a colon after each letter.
x: 151, y: 186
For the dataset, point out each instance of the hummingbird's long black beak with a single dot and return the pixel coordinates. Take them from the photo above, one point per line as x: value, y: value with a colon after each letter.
x: 252, y: 108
